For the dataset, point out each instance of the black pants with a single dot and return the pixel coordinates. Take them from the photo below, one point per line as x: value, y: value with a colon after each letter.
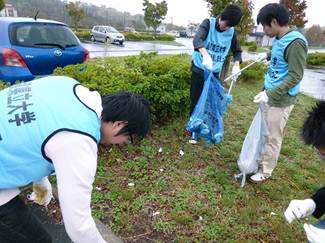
x: 19, y: 225
x: 197, y: 83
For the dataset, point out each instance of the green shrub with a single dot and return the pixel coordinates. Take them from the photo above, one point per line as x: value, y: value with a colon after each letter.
x: 165, y: 37
x: 163, y: 80
x: 249, y: 43
x: 147, y: 37
x: 317, y: 59
x: 83, y: 35
x: 137, y: 36
x: 253, y: 73
x: 252, y: 47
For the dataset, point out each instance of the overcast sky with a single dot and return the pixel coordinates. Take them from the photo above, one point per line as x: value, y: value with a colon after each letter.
x: 181, y: 12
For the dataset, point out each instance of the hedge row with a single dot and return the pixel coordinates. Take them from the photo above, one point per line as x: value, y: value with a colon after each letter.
x: 147, y: 37
x: 163, y: 80
x: 317, y: 59
x: 83, y: 35
x: 253, y: 73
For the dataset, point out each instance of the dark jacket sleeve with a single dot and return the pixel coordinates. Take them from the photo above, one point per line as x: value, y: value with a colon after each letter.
x: 235, y: 48
x: 201, y: 34
x: 319, y: 199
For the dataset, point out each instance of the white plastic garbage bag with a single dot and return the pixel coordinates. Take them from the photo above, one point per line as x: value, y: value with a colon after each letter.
x: 42, y: 192
x: 252, y: 146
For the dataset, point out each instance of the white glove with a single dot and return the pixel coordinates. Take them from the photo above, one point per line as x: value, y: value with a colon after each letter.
x: 42, y: 192
x: 298, y: 209
x: 207, y: 61
x: 314, y: 234
x: 235, y: 69
x: 261, y: 97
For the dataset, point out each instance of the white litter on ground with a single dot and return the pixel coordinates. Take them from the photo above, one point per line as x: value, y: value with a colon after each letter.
x: 155, y: 214
x: 161, y: 170
x: 160, y: 150
x: 98, y: 188
x: 273, y: 214
x: 181, y: 152
x: 131, y: 184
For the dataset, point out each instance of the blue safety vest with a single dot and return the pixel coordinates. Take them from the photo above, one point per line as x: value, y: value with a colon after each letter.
x: 30, y: 114
x: 278, y: 69
x: 217, y: 44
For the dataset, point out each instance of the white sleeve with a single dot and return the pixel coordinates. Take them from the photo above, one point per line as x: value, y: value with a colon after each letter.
x: 74, y: 158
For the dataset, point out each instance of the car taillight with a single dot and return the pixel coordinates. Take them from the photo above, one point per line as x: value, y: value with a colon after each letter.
x: 86, y: 55
x: 12, y: 58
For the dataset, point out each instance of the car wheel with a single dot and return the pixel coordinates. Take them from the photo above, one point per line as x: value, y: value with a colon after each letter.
x: 108, y: 40
x: 121, y: 43
x: 92, y: 38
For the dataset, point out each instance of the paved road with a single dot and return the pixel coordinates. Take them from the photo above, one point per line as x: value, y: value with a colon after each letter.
x: 313, y: 83
x: 134, y: 48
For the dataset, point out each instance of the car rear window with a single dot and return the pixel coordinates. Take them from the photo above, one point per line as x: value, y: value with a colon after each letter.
x: 42, y: 35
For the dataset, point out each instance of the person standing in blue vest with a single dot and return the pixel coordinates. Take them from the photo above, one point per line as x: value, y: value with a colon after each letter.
x: 55, y: 124
x: 212, y: 42
x: 281, y: 83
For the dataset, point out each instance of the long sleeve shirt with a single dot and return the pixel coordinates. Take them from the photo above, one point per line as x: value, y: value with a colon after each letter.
x: 296, y: 55
x: 74, y: 158
x: 202, y: 33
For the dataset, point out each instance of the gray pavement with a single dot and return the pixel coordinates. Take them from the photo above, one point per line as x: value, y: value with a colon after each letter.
x: 57, y: 231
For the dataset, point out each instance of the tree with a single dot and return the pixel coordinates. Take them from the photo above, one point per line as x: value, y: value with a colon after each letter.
x: 76, y: 14
x: 314, y: 35
x: 2, y: 4
x: 296, y: 12
x: 193, y: 27
x: 246, y: 24
x: 216, y: 6
x: 154, y: 14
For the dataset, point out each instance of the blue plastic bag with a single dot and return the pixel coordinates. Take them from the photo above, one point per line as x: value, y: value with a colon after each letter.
x: 206, y: 120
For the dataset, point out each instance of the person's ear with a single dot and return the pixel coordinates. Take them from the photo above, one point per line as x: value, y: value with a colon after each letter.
x: 119, y: 124
x: 274, y: 22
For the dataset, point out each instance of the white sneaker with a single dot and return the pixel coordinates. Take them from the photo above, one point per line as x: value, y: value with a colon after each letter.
x: 259, y: 177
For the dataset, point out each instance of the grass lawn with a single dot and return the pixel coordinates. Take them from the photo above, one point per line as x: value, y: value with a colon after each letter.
x: 196, y: 195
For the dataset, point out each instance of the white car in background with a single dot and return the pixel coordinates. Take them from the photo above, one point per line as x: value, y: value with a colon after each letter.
x: 107, y: 34
x: 174, y: 33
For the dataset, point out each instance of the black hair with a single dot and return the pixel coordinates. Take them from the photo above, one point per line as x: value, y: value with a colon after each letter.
x: 232, y: 14
x: 313, y: 131
x: 133, y: 109
x: 273, y: 11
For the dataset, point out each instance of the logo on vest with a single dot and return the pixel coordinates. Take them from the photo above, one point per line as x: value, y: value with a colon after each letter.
x: 18, y: 104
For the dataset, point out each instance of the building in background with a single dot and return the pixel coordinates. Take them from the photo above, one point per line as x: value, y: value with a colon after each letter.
x: 8, y: 11
x: 257, y: 35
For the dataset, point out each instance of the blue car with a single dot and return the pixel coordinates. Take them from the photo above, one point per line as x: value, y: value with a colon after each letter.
x: 32, y: 48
